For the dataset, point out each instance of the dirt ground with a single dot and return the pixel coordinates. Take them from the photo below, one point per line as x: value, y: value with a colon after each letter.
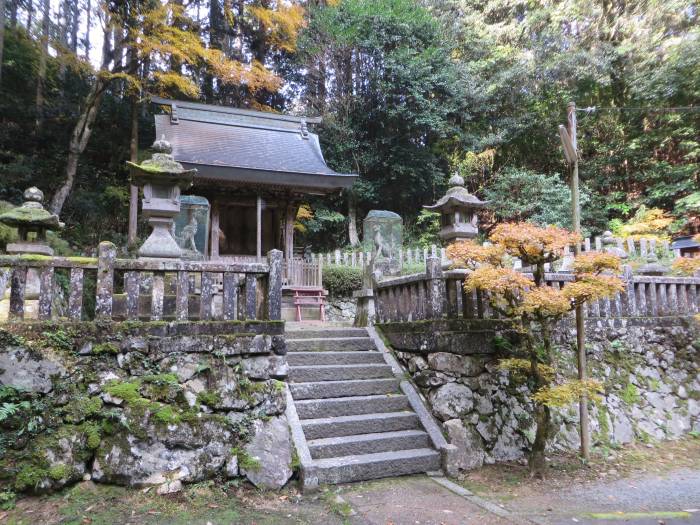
x: 654, y: 484
x: 641, y: 485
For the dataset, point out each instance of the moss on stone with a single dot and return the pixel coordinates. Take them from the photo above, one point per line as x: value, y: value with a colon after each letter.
x: 630, y: 394
x: 60, y: 471
x: 245, y: 460
x: 209, y: 398
x: 81, y: 408
x: 30, y: 476
x: 105, y: 348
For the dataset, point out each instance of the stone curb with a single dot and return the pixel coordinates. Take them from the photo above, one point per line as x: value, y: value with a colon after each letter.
x: 481, y: 502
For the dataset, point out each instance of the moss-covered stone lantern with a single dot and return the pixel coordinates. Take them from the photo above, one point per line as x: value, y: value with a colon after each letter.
x: 162, y: 179
x: 458, y: 212
x: 31, y: 218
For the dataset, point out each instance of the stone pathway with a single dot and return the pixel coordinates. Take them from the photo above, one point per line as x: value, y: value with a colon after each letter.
x: 415, y: 500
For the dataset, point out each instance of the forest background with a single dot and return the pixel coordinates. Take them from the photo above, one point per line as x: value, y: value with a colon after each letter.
x: 410, y: 91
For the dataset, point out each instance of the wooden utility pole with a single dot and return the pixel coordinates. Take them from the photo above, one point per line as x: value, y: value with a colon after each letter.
x: 568, y: 139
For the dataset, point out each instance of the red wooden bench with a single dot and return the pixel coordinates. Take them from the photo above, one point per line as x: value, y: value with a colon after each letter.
x: 310, y: 297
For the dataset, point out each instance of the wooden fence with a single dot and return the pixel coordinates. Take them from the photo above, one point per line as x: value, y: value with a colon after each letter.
x: 408, y: 256
x: 149, y: 289
x: 298, y: 273
x: 436, y: 294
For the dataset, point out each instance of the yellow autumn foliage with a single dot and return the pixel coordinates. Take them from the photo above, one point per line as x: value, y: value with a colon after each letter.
x: 522, y: 367
x: 533, y: 244
x: 282, y: 24
x: 567, y: 393
x: 646, y: 223
x: 590, y: 287
x: 497, y: 280
x: 596, y: 262
x: 469, y: 254
x: 687, y: 265
x: 545, y: 301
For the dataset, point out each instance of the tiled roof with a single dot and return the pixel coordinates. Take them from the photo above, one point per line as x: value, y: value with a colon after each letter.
x: 249, y: 146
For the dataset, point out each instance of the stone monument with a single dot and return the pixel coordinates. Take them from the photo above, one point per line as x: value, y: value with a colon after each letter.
x: 191, y: 227
x: 31, y: 218
x: 383, y: 237
x: 162, y: 178
x: 458, y: 212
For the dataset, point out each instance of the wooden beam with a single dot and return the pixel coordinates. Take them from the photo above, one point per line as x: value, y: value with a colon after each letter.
x: 258, y: 224
x: 214, y: 248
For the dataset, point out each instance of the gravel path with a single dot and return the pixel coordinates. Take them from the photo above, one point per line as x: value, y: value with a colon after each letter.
x: 675, y: 491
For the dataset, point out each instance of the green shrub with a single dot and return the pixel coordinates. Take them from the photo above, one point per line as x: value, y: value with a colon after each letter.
x: 341, y: 281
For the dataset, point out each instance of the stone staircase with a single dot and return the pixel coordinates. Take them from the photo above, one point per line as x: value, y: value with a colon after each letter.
x: 356, y: 422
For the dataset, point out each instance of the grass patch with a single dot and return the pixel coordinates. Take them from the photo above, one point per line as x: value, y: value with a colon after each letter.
x: 637, y: 515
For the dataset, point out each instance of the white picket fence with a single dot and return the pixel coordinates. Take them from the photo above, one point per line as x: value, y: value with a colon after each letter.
x: 358, y: 258
x: 407, y: 256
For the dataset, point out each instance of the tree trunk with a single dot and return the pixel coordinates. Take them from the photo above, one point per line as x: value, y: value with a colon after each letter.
x: 352, y: 219
x: 74, y: 28
x: 78, y: 141
x: 88, y: 23
x: 537, y: 460
x: 2, y: 34
x: 30, y: 13
x: 133, y: 153
x: 83, y: 128
x: 41, y: 74
x: 13, y: 14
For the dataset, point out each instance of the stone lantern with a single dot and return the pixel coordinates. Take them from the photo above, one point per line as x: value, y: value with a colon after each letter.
x: 458, y: 212
x: 31, y: 217
x: 162, y: 179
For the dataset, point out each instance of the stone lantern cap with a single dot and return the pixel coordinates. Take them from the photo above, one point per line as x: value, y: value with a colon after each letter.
x: 457, y: 197
x: 652, y: 266
x: 161, y: 168
x: 31, y: 215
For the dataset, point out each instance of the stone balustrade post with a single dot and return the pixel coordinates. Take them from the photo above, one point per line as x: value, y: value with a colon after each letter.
x: 435, y: 288
x: 274, y: 285
x: 106, y: 254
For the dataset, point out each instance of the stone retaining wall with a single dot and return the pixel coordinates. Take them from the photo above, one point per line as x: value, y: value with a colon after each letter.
x: 650, y: 369
x: 142, y: 404
x: 341, y: 309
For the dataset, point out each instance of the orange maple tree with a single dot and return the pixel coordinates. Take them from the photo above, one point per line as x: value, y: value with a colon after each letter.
x: 533, y: 307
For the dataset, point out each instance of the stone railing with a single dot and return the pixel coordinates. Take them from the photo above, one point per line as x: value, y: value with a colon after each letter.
x: 147, y: 289
x: 438, y: 294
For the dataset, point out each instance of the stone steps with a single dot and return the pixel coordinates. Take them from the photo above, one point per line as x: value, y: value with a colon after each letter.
x: 322, y: 333
x: 350, y: 406
x: 334, y: 344
x: 345, y: 469
x: 326, y: 427
x: 349, y: 411
x: 334, y: 358
x: 356, y: 387
x: 315, y: 373
x: 368, y: 443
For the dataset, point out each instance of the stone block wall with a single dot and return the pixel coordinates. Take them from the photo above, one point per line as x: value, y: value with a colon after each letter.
x: 650, y: 369
x: 142, y: 404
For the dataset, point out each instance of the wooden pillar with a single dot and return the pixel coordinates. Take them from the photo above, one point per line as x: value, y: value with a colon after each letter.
x: 133, y: 214
x: 214, y: 244
x: 291, y: 215
x: 258, y: 224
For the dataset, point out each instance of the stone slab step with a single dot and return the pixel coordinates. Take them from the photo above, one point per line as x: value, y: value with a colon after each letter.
x: 368, y: 443
x: 359, y: 424
x: 306, y: 374
x: 322, y: 333
x: 346, y: 469
x: 356, y: 387
x: 330, y: 344
x: 334, y: 358
x: 348, y: 406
